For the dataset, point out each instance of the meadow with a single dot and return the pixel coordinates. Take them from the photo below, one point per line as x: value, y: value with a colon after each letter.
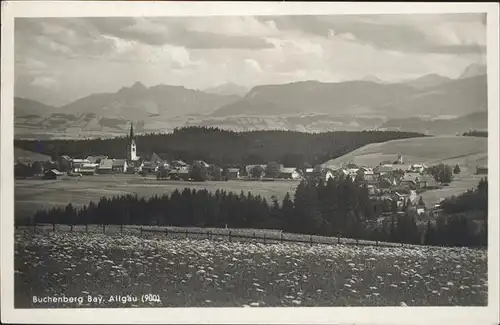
x: 32, y: 195
x: 217, y: 273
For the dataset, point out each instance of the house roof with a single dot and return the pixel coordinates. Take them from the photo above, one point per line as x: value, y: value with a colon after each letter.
x: 233, y: 170
x: 177, y: 171
x: 401, y: 190
x: 56, y: 172
x: 288, y: 170
x: 83, y: 161
x: 90, y: 165
x: 384, y: 168
x: 179, y: 162
x: 155, y: 157
x: 248, y: 168
x: 93, y: 159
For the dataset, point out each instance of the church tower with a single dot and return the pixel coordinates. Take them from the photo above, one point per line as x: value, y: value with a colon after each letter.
x: 132, y: 148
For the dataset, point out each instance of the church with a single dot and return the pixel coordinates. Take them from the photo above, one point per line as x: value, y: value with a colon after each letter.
x: 132, y: 147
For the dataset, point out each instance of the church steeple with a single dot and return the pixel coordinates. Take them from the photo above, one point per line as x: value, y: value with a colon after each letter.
x: 131, y: 135
x: 132, y: 148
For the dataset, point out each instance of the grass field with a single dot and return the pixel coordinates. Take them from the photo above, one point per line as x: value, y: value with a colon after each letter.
x: 31, y: 195
x: 186, y: 272
x: 467, y: 152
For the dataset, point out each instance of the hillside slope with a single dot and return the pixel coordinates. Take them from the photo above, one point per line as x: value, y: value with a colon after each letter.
x: 465, y: 151
x: 29, y: 156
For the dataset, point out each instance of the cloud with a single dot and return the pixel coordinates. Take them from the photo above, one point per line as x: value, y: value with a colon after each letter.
x: 45, y: 82
x: 174, y: 31
x: 409, y: 33
x: 61, y: 59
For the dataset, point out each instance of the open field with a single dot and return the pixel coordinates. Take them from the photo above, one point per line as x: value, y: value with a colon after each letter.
x: 186, y: 272
x: 31, y: 195
x: 467, y: 152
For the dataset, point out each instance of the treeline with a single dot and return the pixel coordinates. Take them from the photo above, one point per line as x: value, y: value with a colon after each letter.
x: 339, y: 207
x: 475, y: 134
x: 472, y: 200
x: 223, y: 148
x: 465, y: 222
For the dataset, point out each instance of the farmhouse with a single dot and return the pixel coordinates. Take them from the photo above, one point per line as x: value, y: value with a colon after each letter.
x: 413, y: 180
x: 77, y: 164
x: 179, y: 164
x: 383, y: 169
x: 119, y: 165
x: 290, y: 173
x: 177, y: 174
x: 88, y: 169
x: 233, y: 173
x: 418, y: 168
x: 105, y: 166
x: 367, y: 175
x: 148, y: 167
x: 319, y: 172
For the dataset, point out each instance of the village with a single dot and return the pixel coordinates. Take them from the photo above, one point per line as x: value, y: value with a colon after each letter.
x: 392, y: 182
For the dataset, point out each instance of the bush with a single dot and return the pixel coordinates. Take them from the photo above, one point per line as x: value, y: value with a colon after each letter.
x: 256, y: 172
x: 442, y: 173
x: 198, y: 172
x: 273, y: 169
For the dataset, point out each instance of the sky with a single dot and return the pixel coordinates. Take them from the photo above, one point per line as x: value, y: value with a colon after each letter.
x: 58, y: 60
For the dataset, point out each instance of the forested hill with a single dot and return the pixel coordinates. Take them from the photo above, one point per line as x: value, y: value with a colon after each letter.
x: 223, y: 147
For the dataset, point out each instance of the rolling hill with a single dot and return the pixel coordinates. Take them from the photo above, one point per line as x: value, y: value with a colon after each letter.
x: 465, y: 151
x: 354, y: 98
x: 29, y: 156
x: 473, y: 121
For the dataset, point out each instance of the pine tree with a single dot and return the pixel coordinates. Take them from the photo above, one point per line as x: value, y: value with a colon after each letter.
x: 430, y: 234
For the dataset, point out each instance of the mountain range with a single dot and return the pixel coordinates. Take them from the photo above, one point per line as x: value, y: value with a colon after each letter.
x: 313, y: 106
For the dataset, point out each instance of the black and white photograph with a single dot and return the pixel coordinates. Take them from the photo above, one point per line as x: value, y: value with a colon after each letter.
x: 176, y: 155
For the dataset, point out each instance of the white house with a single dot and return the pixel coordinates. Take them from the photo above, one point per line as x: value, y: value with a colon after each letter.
x: 290, y: 173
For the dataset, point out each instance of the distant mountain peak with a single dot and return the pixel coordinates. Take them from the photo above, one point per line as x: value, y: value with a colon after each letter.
x: 138, y: 85
x: 373, y: 78
x: 428, y: 80
x: 473, y: 70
